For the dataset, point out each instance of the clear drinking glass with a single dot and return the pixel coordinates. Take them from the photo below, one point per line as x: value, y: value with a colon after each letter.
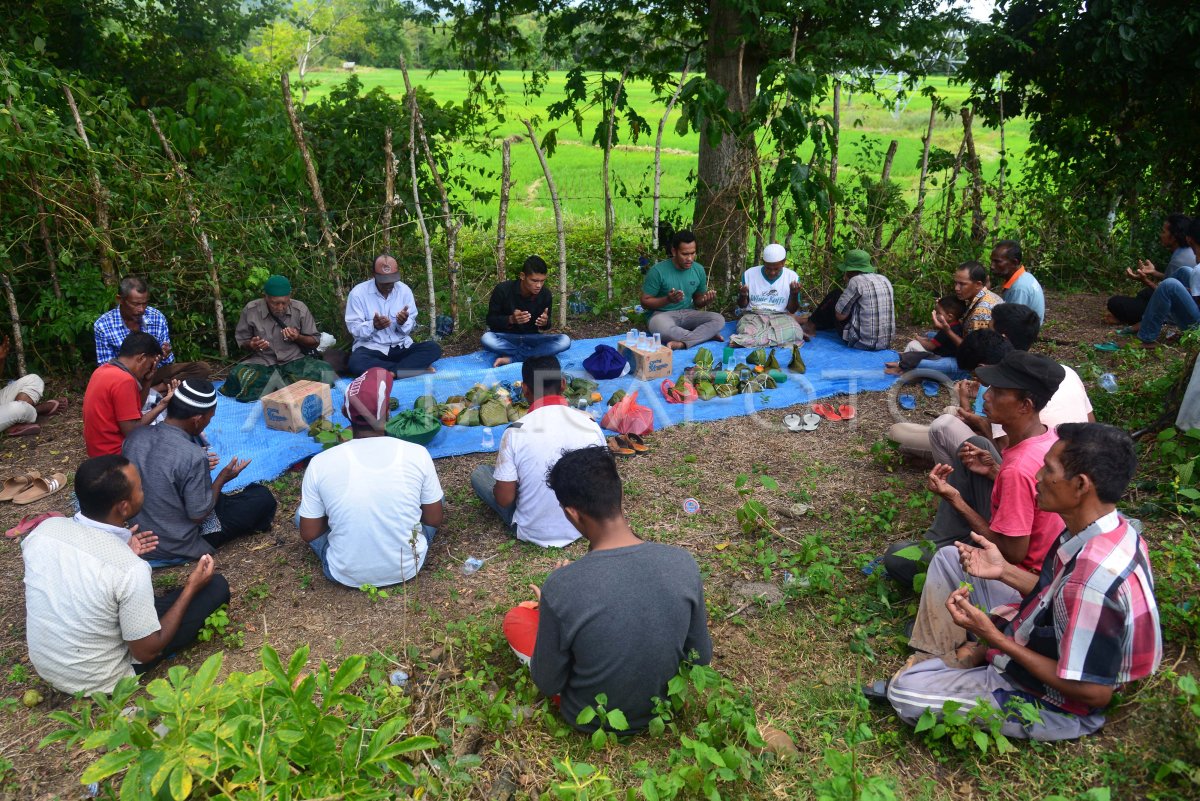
x: 657, y: 340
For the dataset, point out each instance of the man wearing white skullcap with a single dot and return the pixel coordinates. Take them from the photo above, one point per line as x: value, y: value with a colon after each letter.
x: 770, y: 295
x: 184, y: 505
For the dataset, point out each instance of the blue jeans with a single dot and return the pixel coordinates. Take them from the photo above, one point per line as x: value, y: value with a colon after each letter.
x: 320, y: 547
x: 1172, y: 302
x: 483, y: 481
x: 403, y: 362
x: 520, y: 347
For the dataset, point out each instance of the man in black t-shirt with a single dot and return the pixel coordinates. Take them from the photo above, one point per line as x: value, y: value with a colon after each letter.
x: 519, y: 315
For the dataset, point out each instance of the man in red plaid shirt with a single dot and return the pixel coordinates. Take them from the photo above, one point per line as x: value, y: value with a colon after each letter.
x: 1085, y: 626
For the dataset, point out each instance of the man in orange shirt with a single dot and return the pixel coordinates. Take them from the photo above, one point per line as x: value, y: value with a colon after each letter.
x: 112, y: 402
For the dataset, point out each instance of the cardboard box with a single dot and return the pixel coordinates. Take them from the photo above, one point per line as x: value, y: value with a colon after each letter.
x: 647, y: 364
x: 297, y: 406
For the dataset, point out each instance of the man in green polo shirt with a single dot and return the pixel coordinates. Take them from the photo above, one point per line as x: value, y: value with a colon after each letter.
x: 673, y: 293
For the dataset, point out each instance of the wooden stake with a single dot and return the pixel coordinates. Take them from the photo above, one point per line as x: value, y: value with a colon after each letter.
x: 412, y: 166
x: 833, y: 165
x: 451, y: 223
x: 205, y: 247
x: 107, y: 271
x: 978, y: 231
x: 558, y: 224
x: 506, y: 184
x: 933, y: 108
x: 877, y: 237
x: 389, y: 188
x: 662, y: 124
x: 609, y: 213
x: 314, y: 186
x: 18, y: 341
x: 962, y: 146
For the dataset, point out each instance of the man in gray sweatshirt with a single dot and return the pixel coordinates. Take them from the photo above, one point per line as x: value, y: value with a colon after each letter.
x: 618, y: 621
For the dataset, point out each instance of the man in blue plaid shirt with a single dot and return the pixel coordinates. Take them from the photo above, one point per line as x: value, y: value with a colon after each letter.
x: 131, y: 314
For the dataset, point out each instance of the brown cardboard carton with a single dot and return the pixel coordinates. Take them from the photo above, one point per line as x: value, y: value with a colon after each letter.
x: 647, y: 364
x: 297, y: 406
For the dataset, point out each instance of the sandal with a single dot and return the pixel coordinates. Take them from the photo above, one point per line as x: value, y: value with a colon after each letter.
x: 41, y: 488
x: 846, y: 412
x: 58, y: 405
x: 29, y: 523
x: 826, y: 411
x: 811, y: 421
x: 23, y: 430
x: 15, y: 485
x: 907, y: 402
x: 636, y: 442
x: 619, y: 446
x: 1107, y: 347
x: 876, y: 691
x: 792, y: 422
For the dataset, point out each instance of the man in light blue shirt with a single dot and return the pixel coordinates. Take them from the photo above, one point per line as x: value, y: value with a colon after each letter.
x: 381, y: 314
x: 1016, y: 284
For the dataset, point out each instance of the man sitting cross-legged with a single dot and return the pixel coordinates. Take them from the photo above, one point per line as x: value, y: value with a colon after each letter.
x: 519, y: 313
x: 985, y: 493
x: 370, y: 507
x: 674, y: 293
x: 619, y: 620
x: 1085, y: 625
x: 91, y: 615
x: 516, y: 489
x: 184, y: 506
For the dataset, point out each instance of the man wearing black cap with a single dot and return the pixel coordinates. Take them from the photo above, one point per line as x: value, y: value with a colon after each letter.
x: 987, y: 494
x: 381, y: 314
x: 184, y: 505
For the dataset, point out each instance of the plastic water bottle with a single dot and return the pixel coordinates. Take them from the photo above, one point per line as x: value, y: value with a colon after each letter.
x: 1109, y: 382
x: 631, y: 338
x: 489, y: 441
x: 471, y: 565
x: 398, y: 678
x: 657, y: 340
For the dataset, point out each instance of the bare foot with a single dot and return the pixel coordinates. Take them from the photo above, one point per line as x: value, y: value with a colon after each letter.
x: 431, y: 369
x: 501, y: 361
x: 676, y: 345
x: 718, y: 338
x: 892, y: 369
x: 969, y: 655
x: 1110, y: 320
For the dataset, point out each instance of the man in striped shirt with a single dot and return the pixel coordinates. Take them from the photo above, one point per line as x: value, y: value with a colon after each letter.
x: 1086, y: 625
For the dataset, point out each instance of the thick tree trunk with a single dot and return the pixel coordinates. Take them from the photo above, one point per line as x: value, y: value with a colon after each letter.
x: 725, y: 170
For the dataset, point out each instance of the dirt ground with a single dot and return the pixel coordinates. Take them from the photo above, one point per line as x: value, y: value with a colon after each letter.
x: 279, y: 595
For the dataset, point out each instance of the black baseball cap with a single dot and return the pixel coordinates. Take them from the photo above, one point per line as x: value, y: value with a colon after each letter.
x: 1020, y: 369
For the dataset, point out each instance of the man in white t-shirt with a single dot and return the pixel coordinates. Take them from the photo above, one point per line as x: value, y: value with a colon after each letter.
x: 516, y: 489
x: 91, y: 617
x: 370, y: 507
x: 769, y: 296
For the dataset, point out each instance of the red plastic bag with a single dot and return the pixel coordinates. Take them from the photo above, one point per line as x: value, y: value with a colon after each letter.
x: 673, y: 395
x: 627, y: 417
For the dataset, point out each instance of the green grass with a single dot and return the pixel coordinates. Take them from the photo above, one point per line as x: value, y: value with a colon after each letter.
x: 866, y: 129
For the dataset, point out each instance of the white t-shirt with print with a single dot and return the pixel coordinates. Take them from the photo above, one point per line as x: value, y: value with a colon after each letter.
x: 372, y: 490
x: 527, y: 452
x: 769, y: 297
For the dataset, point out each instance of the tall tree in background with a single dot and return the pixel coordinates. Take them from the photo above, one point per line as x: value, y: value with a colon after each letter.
x: 746, y: 51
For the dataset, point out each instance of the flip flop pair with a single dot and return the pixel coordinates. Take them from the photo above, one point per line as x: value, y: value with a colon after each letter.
x: 627, y: 445
x: 828, y: 412
x: 31, y: 487
x: 794, y: 422
x: 16, y: 484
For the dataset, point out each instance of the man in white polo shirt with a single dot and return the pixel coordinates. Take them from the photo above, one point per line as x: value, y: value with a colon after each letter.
x: 770, y: 296
x: 91, y: 615
x: 370, y: 507
x: 516, y: 489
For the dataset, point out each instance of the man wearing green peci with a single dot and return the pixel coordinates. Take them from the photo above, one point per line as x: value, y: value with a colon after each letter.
x: 674, y: 292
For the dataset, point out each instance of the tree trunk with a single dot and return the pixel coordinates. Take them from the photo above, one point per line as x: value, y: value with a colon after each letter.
x: 18, y: 342
x: 558, y: 224
x: 978, y: 230
x: 205, y: 247
x: 506, y: 185
x: 833, y: 165
x: 662, y: 124
x: 950, y: 186
x: 609, y: 213
x: 315, y: 186
x: 924, y: 166
x: 389, y: 188
x: 99, y: 194
x: 412, y: 166
x: 877, y: 237
x: 721, y: 220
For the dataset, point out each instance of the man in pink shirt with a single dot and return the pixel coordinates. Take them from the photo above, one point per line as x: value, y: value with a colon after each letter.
x: 1018, y: 389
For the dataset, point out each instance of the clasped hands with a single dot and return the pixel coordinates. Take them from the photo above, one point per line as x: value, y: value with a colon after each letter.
x: 381, y: 321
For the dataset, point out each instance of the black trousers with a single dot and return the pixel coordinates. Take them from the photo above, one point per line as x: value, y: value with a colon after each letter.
x: 247, y: 512
x: 824, y: 317
x: 203, y: 604
x: 1130, y: 310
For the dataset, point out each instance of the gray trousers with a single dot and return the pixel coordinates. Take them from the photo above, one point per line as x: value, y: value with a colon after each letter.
x: 935, y: 632
x: 948, y: 525
x: 929, y: 684
x: 939, y: 441
x: 689, y: 326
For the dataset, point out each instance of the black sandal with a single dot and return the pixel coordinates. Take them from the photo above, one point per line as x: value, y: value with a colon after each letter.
x: 876, y: 691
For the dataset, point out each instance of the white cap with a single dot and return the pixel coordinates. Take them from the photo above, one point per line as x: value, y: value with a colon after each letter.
x: 773, y: 253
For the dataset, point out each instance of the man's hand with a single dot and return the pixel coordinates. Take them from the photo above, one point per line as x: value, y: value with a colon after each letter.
x: 213, y: 460
x: 967, y: 390
x: 939, y: 320
x: 937, y: 484
x: 170, y: 393
x: 380, y: 321
x: 142, y: 542
x: 984, y: 561
x: 674, y: 296
x: 926, y: 343
x: 402, y: 317
x: 794, y: 287
x: 543, y: 319
x: 977, y: 460
x: 232, y: 470
x: 258, y: 343
x: 971, y: 618
x: 974, y: 422
x: 201, y: 574
x: 707, y: 298
x: 290, y: 333
x: 166, y: 349
x: 743, y: 293
x: 519, y: 317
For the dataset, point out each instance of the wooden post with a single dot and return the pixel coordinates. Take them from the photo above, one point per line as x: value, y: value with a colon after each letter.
x: 978, y: 231
x: 833, y: 165
x: 506, y: 185
x: 18, y: 341
x: 315, y: 186
x: 558, y: 223
x: 950, y: 186
x: 662, y: 124
x: 412, y: 166
x: 107, y: 271
x: 609, y: 213
x: 877, y: 236
x: 933, y: 107
x: 205, y: 247
x: 450, y: 223
x: 389, y: 188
